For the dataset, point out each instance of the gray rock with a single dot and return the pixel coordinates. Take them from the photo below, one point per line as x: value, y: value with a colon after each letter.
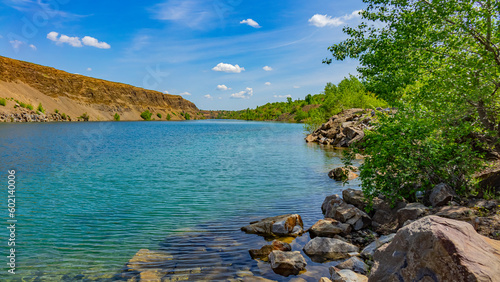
x: 283, y: 225
x: 287, y: 263
x: 329, y: 203
x: 322, y: 249
x: 324, y: 279
x: 355, y: 264
x: 349, y: 214
x: 346, y: 275
x: 329, y: 227
x: 412, y: 211
x: 441, y: 194
x: 355, y: 198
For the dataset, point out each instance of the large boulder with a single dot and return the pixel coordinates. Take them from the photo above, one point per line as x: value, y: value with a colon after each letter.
x: 441, y: 195
x: 437, y: 249
x: 287, y: 263
x: 355, y: 198
x: 283, y: 225
x: 329, y: 227
x: 322, y: 249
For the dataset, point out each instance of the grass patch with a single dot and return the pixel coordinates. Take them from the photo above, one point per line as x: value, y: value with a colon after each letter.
x: 84, y: 117
x: 40, y: 108
x: 3, y: 102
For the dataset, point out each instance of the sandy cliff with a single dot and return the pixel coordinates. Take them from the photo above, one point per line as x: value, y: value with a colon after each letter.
x: 74, y: 94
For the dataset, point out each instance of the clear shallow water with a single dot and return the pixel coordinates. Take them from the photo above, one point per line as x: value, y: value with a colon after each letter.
x: 90, y: 195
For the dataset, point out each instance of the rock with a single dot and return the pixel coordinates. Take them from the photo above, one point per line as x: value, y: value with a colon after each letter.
x: 441, y: 194
x: 321, y: 249
x: 287, y: 263
x: 256, y: 279
x: 324, y: 279
x: 283, y: 225
x: 330, y: 202
x: 145, y: 259
x: 355, y: 264
x: 369, y: 250
x: 329, y: 227
x: 261, y: 253
x: 454, y: 212
x: 345, y: 213
x: 437, y: 249
x: 355, y: 198
x: 490, y: 181
x: 384, y: 219
x: 411, y: 211
x: 346, y: 275
x: 281, y: 246
x: 341, y: 173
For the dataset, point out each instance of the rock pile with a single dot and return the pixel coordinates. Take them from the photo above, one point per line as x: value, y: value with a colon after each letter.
x: 32, y: 116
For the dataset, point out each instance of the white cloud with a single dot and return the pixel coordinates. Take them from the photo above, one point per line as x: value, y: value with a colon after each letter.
x: 245, y: 94
x: 166, y: 92
x: 251, y: 23
x: 91, y: 41
x: 228, y: 68
x: 296, y: 86
x: 220, y: 98
x: 195, y: 14
x: 267, y: 68
x: 33, y: 47
x: 223, y: 87
x: 325, y: 20
x: 89, y: 69
x: 185, y: 94
x: 16, y: 43
x: 208, y: 96
x: 282, y: 96
x: 267, y: 83
x: 76, y: 42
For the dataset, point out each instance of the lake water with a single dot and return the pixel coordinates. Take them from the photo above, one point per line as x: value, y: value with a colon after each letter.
x: 91, y: 195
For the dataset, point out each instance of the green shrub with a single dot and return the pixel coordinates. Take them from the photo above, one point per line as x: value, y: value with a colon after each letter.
x: 84, y: 117
x: 116, y: 117
x: 23, y: 105
x: 146, y: 115
x: 56, y: 111
x: 29, y: 107
x: 63, y: 116
x: 187, y: 116
x: 40, y: 108
x: 412, y: 151
x: 3, y: 102
x: 158, y: 115
x: 168, y: 117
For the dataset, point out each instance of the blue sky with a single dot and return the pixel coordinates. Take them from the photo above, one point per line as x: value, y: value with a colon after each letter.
x: 219, y: 54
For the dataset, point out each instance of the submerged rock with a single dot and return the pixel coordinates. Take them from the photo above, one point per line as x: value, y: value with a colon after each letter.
x: 283, y: 225
x: 263, y: 253
x: 321, y: 249
x: 287, y: 263
x: 439, y: 249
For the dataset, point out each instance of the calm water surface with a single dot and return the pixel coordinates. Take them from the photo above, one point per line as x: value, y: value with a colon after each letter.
x: 90, y: 195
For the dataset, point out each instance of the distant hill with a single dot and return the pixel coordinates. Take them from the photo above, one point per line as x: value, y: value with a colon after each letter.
x: 75, y: 94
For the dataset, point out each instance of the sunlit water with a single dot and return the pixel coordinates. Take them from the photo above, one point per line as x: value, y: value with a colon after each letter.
x: 91, y: 195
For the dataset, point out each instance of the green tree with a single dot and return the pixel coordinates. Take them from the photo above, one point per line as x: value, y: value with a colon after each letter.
x: 158, y: 115
x: 451, y: 48
x: 116, y: 117
x: 168, y: 117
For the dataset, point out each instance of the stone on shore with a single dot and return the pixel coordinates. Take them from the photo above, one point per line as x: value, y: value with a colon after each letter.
x: 325, y: 279
x: 329, y: 227
x: 322, y: 249
x: 454, y: 212
x: 334, y: 207
x: 355, y: 264
x: 283, y: 225
x: 355, y: 198
x: 263, y: 253
x: 346, y: 275
x: 441, y: 195
x: 411, y: 211
x: 287, y: 263
x: 438, y: 249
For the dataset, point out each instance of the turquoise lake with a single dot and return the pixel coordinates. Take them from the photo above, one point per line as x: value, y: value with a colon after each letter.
x: 91, y: 195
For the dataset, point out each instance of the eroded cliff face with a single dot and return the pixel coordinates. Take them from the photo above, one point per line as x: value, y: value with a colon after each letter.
x: 75, y: 94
